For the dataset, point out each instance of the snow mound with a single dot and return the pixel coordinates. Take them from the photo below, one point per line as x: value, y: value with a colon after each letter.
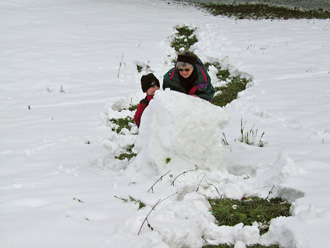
x: 282, y: 170
x: 179, y: 132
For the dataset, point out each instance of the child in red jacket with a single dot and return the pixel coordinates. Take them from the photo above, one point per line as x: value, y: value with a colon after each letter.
x: 149, y: 84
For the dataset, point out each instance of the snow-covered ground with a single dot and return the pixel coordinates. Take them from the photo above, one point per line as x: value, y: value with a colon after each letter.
x: 61, y: 80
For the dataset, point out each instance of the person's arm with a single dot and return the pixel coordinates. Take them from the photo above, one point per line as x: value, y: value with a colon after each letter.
x: 206, y: 93
x: 138, y: 114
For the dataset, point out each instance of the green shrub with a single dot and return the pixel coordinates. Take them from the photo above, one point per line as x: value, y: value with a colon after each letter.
x: 184, y: 38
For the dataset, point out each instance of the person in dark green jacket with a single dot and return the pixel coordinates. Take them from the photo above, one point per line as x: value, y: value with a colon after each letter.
x: 190, y: 77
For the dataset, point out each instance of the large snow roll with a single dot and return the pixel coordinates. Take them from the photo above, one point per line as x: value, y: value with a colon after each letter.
x: 179, y: 132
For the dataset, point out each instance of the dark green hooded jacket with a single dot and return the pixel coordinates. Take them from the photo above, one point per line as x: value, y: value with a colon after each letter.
x: 202, y: 86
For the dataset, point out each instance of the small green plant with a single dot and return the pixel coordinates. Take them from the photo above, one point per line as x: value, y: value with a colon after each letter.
x: 184, y: 38
x: 143, y: 67
x: 129, y: 154
x: 62, y: 90
x: 250, y: 137
x: 224, y: 139
x: 230, y: 212
x: 139, y: 68
x: 168, y: 160
x: 122, y: 123
x: 78, y: 200
x: 141, y: 204
x: 131, y: 199
x: 133, y: 107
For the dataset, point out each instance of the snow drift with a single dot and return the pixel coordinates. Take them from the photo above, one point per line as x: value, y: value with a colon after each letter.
x: 179, y: 132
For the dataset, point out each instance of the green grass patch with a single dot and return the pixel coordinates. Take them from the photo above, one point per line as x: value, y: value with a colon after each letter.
x: 262, y: 11
x: 248, y: 210
x: 227, y: 93
x: 133, y: 107
x: 184, y: 38
x: 230, y: 212
x: 122, y: 123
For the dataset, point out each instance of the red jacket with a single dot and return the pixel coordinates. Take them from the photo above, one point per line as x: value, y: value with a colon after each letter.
x: 141, y: 107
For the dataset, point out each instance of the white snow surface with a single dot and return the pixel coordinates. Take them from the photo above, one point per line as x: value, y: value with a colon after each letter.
x: 67, y: 67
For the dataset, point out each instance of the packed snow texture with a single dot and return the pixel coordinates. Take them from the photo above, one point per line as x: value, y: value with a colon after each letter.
x: 179, y: 132
x: 68, y: 67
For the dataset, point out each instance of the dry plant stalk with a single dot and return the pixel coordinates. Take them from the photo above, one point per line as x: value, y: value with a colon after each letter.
x: 121, y: 62
x: 196, y: 168
x: 146, y: 218
x: 159, y: 179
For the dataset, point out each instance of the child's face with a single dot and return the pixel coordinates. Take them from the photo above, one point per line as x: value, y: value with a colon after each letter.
x: 151, y: 90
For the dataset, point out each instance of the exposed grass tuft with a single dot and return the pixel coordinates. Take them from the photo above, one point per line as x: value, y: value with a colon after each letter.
x: 250, y: 137
x: 230, y: 212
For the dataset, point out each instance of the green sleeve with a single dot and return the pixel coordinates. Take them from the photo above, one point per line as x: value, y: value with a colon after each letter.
x: 166, y: 79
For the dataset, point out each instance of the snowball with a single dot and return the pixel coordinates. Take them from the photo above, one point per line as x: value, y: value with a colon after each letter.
x: 178, y: 132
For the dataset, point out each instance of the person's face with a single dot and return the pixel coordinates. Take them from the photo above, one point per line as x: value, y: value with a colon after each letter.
x: 186, y: 71
x: 152, y: 89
